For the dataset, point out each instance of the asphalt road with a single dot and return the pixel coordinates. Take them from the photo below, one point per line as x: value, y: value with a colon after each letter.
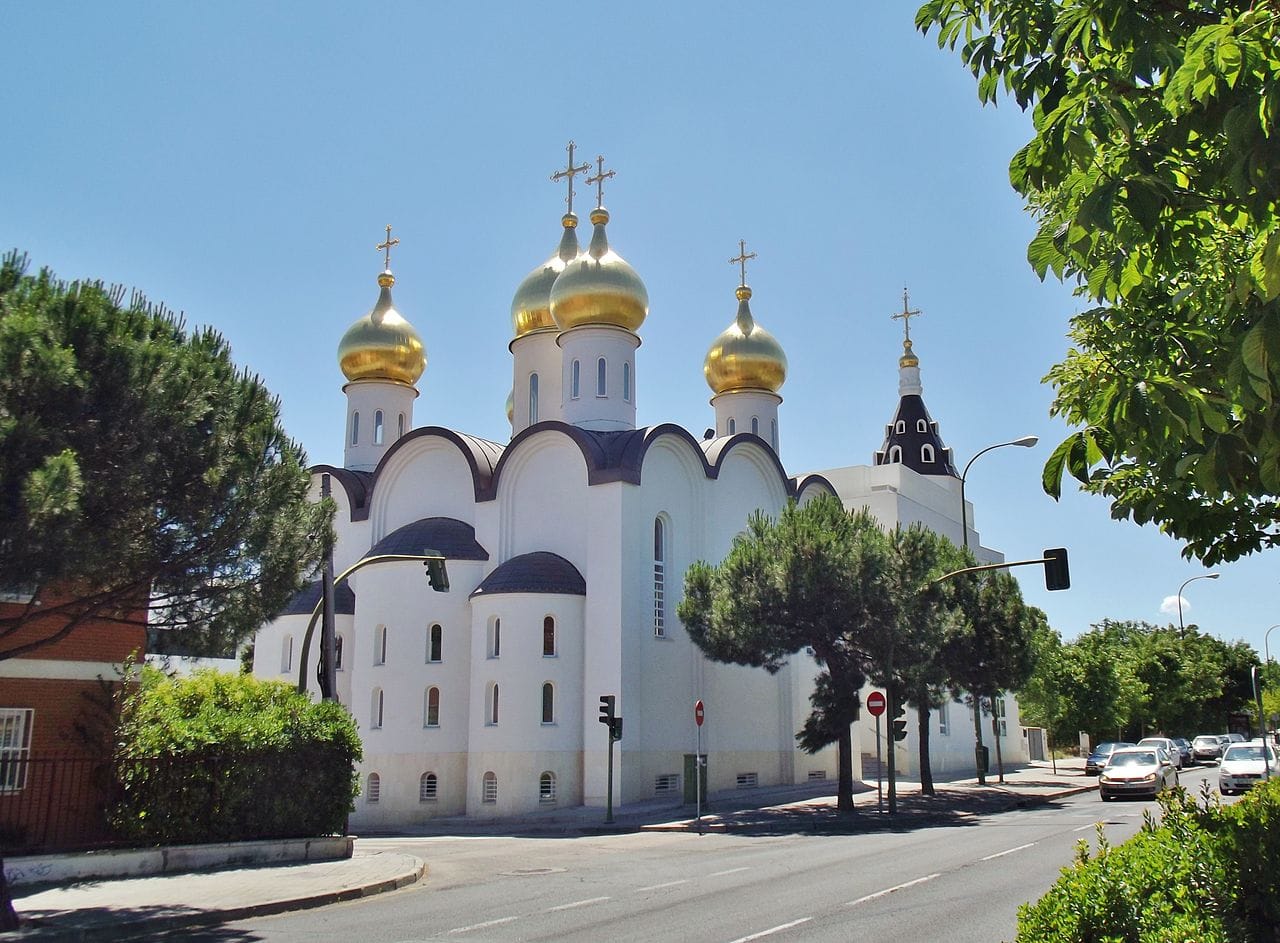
x: 956, y: 882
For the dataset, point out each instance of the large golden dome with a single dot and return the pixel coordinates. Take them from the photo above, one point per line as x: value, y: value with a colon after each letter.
x: 599, y: 287
x: 382, y: 345
x: 745, y: 356
x: 531, y: 306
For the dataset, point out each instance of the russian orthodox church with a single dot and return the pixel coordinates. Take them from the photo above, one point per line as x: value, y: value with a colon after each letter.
x: 565, y: 550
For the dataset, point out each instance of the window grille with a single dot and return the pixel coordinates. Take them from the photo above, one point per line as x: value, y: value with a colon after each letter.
x: 547, y: 787
x: 659, y: 579
x: 666, y: 784
x: 748, y: 780
x: 489, y: 788
x: 817, y: 774
x: 15, y: 747
x: 374, y: 792
x: 428, y: 787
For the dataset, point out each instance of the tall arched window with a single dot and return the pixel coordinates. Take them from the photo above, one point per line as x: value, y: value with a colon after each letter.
x: 355, y: 428
x: 901, y: 427
x: 428, y: 787
x: 374, y: 791
x: 435, y: 643
x: 926, y: 453
x: 491, y: 705
x: 400, y: 427
x: 380, y: 645
x: 895, y: 454
x: 626, y: 380
x: 489, y: 787
x: 659, y: 578
x: 921, y: 426
x: 601, y: 388
x: 547, y: 787
x: 377, y: 428
x: 431, y: 712
x: 533, y: 398
x: 548, y: 637
x: 755, y: 425
x: 733, y: 426
x: 575, y: 380
x: 376, y: 704
x: 548, y: 703
x: 286, y: 654
x: 495, y: 638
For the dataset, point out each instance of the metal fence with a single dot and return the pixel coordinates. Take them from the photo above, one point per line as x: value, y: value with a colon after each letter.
x: 54, y: 802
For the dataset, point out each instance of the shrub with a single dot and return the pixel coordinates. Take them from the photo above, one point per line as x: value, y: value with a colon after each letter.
x: 227, y: 757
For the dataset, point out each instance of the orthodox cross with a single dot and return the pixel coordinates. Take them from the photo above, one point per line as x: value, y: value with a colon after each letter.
x: 569, y: 173
x: 387, y: 246
x: 741, y: 259
x: 906, y: 314
x: 601, y: 176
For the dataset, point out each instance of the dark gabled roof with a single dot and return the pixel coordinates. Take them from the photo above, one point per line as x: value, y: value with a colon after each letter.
x: 456, y: 540
x: 537, y: 572
x: 304, y: 603
x: 911, y: 412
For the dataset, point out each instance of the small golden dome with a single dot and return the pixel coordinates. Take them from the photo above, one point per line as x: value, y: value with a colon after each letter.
x: 531, y: 306
x: 382, y: 345
x: 745, y: 356
x: 511, y: 407
x: 599, y: 287
x: 908, y: 358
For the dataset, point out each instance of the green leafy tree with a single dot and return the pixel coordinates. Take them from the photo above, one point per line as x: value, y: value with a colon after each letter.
x: 813, y: 580
x: 1046, y: 697
x: 1153, y: 176
x: 139, y: 470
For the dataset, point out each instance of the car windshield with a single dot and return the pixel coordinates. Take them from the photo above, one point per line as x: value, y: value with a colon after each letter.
x: 1244, y: 753
x: 1152, y: 742
x: 1133, y: 759
x: 1107, y: 747
x: 1206, y: 741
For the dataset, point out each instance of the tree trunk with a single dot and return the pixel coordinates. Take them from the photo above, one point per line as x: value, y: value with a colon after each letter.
x: 922, y: 731
x: 995, y: 733
x: 844, y: 789
x: 8, y: 916
x: 977, y: 733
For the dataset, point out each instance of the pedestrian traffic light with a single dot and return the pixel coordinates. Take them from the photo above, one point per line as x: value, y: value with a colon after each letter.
x: 607, y: 708
x: 899, y: 724
x: 437, y: 575
x: 1056, y: 574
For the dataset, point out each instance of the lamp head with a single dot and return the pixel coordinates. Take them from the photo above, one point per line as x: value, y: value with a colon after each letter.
x: 1027, y: 441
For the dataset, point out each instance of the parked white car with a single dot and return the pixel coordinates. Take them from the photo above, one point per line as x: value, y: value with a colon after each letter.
x: 1137, y: 771
x: 1245, y: 764
x: 1167, y: 745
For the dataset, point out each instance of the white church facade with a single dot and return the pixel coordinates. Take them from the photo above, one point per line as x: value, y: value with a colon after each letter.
x: 566, y: 548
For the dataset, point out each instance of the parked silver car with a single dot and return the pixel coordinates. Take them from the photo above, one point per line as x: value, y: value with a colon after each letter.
x: 1206, y: 748
x: 1137, y: 771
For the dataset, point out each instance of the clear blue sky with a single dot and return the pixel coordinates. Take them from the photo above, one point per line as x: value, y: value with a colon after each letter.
x: 239, y: 161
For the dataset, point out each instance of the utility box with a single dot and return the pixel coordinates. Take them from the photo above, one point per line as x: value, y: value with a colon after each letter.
x: 983, y: 757
x: 691, y: 779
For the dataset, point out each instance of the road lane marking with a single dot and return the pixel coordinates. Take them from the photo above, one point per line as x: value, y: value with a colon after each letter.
x: 720, y: 874
x: 896, y: 887
x: 1091, y: 825
x: 1008, y: 851
x: 770, y: 932
x: 576, y: 903
x: 654, y: 887
x: 481, y: 926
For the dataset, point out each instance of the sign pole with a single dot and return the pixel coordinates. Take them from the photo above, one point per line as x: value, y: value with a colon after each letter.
x: 879, y: 769
x: 698, y: 714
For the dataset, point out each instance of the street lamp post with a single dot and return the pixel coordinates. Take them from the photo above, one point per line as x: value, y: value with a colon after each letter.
x: 1266, y: 643
x: 1026, y: 442
x: 1182, y: 631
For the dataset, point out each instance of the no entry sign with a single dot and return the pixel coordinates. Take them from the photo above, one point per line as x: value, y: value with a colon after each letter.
x: 699, y: 713
x: 875, y: 703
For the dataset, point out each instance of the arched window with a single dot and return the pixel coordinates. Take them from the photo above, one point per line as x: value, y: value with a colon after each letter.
x: 659, y: 578
x: 548, y: 703
x: 491, y: 704
x: 374, y: 791
x: 901, y: 426
x: 926, y: 453
x: 773, y: 433
x: 575, y: 380
x: 626, y: 380
x: 755, y: 425
x: 489, y: 787
x: 400, y: 427
x: 601, y: 388
x: 533, y: 398
x: 380, y: 645
x: 355, y: 428
x: 921, y: 426
x: 428, y: 787
x: 431, y: 713
x: 895, y: 454
x: 377, y: 702
x: 733, y: 426
x: 377, y: 427
x: 337, y: 653
x: 435, y: 643
x: 286, y: 654
x: 547, y: 787
x: 548, y: 637
x: 495, y: 638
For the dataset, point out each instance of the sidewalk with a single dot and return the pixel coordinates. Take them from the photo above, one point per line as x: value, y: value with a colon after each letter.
x: 96, y: 910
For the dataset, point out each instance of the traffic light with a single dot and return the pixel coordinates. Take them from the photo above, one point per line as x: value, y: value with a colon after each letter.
x: 615, y: 729
x: 607, y: 708
x: 899, y: 726
x: 1056, y: 574
x: 437, y: 575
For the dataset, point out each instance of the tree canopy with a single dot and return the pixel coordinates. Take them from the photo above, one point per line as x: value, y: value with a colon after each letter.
x: 139, y: 469
x: 1153, y: 177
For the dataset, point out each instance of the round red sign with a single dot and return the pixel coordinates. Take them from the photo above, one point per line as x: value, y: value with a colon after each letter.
x: 875, y: 703
x: 698, y: 713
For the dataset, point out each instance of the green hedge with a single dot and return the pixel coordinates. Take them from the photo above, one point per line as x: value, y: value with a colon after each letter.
x: 1205, y: 874
x: 226, y: 757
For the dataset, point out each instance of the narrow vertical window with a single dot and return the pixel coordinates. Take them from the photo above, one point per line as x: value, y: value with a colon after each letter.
x: 901, y: 427
x: 491, y: 705
x: 428, y: 787
x: 733, y: 426
x: 435, y: 643
x: 773, y: 433
x: 601, y: 388
x: 755, y: 425
x: 944, y: 719
x: 548, y: 703
x: 431, y: 713
x: 377, y: 428
x: 489, y: 789
x: 575, y: 380
x: 374, y: 792
x: 548, y: 637
x: 533, y: 398
x: 355, y: 428
x: 380, y: 645
x: 400, y: 427
x: 659, y: 579
x: 626, y: 381
x: 547, y: 787
x: 286, y: 654
x: 337, y: 653
x: 495, y: 638
x: 376, y: 704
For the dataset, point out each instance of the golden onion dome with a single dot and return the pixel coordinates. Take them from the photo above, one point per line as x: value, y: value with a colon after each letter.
x: 908, y: 358
x: 531, y: 306
x: 382, y: 345
x: 599, y: 287
x: 745, y: 356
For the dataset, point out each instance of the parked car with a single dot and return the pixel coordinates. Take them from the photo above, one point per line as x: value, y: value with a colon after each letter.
x: 1137, y: 771
x: 1101, y: 753
x: 1243, y: 765
x: 1164, y: 743
x: 1184, y: 747
x: 1206, y: 748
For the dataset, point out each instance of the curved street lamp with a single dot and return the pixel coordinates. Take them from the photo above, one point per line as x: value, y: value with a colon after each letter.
x: 1026, y: 442
x: 1182, y: 631
x: 1266, y: 643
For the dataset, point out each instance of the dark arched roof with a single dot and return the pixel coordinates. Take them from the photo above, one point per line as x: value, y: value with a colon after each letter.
x: 304, y: 603
x: 455, y: 540
x: 537, y: 572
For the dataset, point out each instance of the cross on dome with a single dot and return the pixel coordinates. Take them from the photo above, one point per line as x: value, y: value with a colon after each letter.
x: 741, y: 259
x: 568, y: 173
x: 601, y: 176
x: 387, y: 246
x: 906, y: 314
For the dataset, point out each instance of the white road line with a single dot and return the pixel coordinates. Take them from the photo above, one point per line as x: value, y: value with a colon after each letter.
x: 890, y: 890
x: 778, y: 929
x: 720, y: 874
x: 654, y: 887
x: 481, y: 926
x: 1090, y: 826
x: 576, y: 903
x: 1008, y: 851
